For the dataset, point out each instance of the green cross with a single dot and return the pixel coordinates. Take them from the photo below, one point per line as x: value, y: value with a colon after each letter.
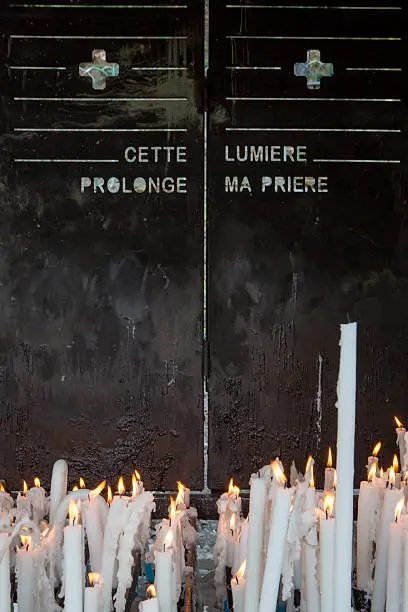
x: 99, y: 69
x: 313, y: 69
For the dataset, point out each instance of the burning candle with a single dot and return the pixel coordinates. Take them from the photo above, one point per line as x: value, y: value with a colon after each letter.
x: 27, y: 566
x: 329, y: 473
x: 401, y: 431
x: 398, y: 476
x: 238, y: 588
x: 165, y: 576
x: 93, y: 593
x: 346, y: 404
x: 257, y: 503
x: 137, y: 484
x: 73, y: 562
x: 395, y: 560
x: 373, y: 459
x: 5, y: 586
x: 183, y: 497
x: 369, y: 503
x: 327, y: 546
x: 152, y: 603
x: 37, y: 499
x: 23, y: 504
x: 276, y: 546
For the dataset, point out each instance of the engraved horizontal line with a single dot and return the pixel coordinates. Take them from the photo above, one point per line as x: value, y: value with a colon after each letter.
x: 159, y: 68
x: 318, y: 7
x: 63, y: 37
x: 373, y: 38
x: 246, y: 99
x: 98, y: 130
x: 26, y: 99
x: 290, y: 129
x: 108, y: 6
x: 374, y: 69
x: 253, y: 67
x: 36, y: 67
x: 357, y: 161
x: 64, y: 161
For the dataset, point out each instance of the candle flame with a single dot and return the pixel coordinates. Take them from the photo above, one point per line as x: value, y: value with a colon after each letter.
x: 180, y: 494
x: 308, y: 463
x: 381, y: 472
x: 110, y: 496
x: 26, y: 541
x: 121, y: 486
x: 391, y: 477
x: 233, y: 490
x: 278, y: 473
x: 45, y: 532
x: 398, y: 509
x: 151, y: 591
x: 168, y: 541
x: 98, y: 490
x: 329, y: 504
x: 330, y: 458
x: 135, y: 486
x: 73, y: 513
x: 173, y: 509
x: 372, y: 472
x: 395, y: 464
x: 138, y: 477
x: 37, y: 483
x: 81, y: 483
x: 75, y: 488
x: 232, y: 522
x: 398, y: 422
x: 376, y: 449
x: 312, y: 480
x: 241, y: 572
x: 94, y: 578
x: 2, y: 489
x: 25, y: 487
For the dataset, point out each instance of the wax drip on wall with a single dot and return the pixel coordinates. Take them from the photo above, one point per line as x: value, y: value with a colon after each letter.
x: 319, y: 402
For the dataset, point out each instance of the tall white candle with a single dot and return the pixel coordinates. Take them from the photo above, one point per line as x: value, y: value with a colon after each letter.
x: 94, y: 533
x: 27, y: 565
x: 346, y: 404
x: 395, y: 561
x: 401, y: 431
x: 369, y: 504
x: 391, y: 498
x: 74, y: 564
x: 257, y: 503
x: 59, y: 487
x: 276, y: 549
x: 238, y: 588
x: 165, y: 580
x: 5, y: 587
x: 327, y: 545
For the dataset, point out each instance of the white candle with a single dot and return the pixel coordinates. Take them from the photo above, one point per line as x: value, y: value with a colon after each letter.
x: 93, y: 593
x: 373, y: 459
x: 243, y: 543
x: 257, y: 503
x: 165, y: 580
x: 37, y: 499
x: 150, y: 605
x: 238, y: 588
x: 346, y: 404
x: 73, y: 563
x: 94, y: 533
x: 327, y: 544
x: 329, y: 473
x: 276, y: 549
x: 59, y: 487
x: 369, y: 503
x: 27, y: 565
x: 395, y: 561
x: 5, y: 587
x: 310, y: 546
x: 391, y: 498
x: 405, y: 583
x: 401, y: 431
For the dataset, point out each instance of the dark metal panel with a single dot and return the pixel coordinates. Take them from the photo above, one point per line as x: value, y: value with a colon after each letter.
x: 101, y: 281
x: 288, y: 266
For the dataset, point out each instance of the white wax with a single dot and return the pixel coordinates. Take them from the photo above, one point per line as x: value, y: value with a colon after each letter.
x: 59, y: 486
x: 346, y: 404
x: 401, y: 431
x: 93, y: 599
x: 94, y: 533
x: 37, y: 499
x: 27, y: 579
x: 369, y: 502
x: 150, y: 605
x: 395, y: 560
x: 243, y: 544
x: 310, y: 546
x: 73, y: 568
x: 327, y: 544
x: 257, y: 503
x: 329, y: 474
x: 405, y: 582
x: 276, y: 550
x: 114, y: 525
x: 165, y: 581
x: 238, y: 593
x: 5, y: 601
x: 391, y: 498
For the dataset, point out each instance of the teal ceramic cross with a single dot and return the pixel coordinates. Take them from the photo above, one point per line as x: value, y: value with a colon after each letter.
x: 313, y: 69
x: 99, y: 69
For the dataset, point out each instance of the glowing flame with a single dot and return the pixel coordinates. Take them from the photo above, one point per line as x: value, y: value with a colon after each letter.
x: 180, y: 494
x: 98, y: 490
x: 81, y: 483
x: 241, y: 572
x: 73, y: 513
x: 376, y: 449
x: 391, y: 477
x: 151, y: 592
x: 381, y: 472
x: 329, y: 504
x: 406, y: 476
x: 121, y: 486
x: 94, y: 578
x: 110, y: 496
x: 308, y: 463
x: 372, y: 472
x: 37, y: 483
x: 278, y: 473
x: 312, y: 480
x: 75, y: 488
x: 138, y: 477
x: 26, y: 541
x: 173, y: 509
x: 395, y: 464
x: 232, y: 522
x: 398, y: 423
x: 168, y: 541
x: 330, y: 458
x: 45, y: 532
x: 233, y: 489
x: 398, y: 509
x: 2, y: 489
x: 335, y: 480
x: 25, y: 487
x: 135, y: 486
